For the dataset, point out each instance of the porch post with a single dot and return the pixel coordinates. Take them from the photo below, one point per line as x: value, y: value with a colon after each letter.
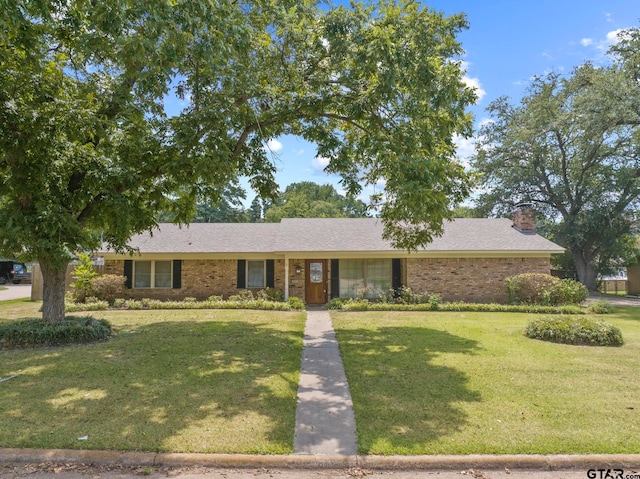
x: 286, y: 278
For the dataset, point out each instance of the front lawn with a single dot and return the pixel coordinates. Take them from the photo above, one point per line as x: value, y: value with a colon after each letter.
x: 466, y: 383
x: 179, y: 381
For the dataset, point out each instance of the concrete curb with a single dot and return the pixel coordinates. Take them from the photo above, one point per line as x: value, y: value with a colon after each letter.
x: 300, y: 461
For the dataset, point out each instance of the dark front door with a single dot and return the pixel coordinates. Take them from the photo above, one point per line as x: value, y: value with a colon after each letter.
x: 316, y: 281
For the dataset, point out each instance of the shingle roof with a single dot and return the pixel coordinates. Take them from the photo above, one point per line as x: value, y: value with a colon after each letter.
x: 464, y: 235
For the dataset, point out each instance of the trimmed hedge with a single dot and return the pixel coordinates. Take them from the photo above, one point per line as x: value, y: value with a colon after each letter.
x: 577, y: 331
x: 214, y: 302
x: 365, y: 305
x: 36, y: 332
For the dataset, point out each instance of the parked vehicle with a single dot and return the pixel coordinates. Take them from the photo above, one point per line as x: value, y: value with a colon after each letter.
x: 14, y: 272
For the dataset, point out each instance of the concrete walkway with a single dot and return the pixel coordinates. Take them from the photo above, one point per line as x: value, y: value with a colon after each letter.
x: 325, y: 423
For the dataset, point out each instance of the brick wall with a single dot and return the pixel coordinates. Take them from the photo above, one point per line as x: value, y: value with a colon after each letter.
x: 200, y: 279
x: 469, y: 279
x: 455, y: 279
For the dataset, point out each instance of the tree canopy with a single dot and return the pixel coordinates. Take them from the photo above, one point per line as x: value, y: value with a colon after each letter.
x: 228, y: 209
x: 310, y: 200
x: 89, y: 151
x: 571, y: 147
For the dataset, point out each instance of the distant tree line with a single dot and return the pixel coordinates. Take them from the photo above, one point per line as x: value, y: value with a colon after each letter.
x: 299, y: 200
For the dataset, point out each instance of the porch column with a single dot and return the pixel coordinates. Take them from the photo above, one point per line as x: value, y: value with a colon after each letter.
x: 286, y: 278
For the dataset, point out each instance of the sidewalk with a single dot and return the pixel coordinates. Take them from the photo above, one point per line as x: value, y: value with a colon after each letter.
x: 325, y: 423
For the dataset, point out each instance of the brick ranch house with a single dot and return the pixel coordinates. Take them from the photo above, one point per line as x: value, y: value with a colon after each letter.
x: 320, y: 259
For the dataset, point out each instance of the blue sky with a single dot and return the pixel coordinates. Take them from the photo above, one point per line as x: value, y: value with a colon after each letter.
x: 507, y: 43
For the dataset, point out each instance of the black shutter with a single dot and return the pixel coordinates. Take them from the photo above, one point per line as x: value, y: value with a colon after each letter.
x: 335, y: 278
x: 177, y: 274
x: 128, y: 273
x: 396, y: 275
x: 271, y: 280
x: 242, y: 273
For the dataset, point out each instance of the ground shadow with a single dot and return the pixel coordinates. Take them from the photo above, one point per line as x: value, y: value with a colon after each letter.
x: 404, y: 399
x: 631, y: 313
x: 180, y: 385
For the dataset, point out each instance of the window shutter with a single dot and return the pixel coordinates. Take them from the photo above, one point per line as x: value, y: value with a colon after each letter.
x: 242, y: 274
x: 128, y: 273
x: 335, y: 278
x: 270, y: 273
x: 396, y: 274
x: 177, y: 274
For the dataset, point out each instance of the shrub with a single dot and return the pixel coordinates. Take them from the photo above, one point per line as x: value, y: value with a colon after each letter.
x: 530, y: 288
x: 335, y: 303
x: 434, y: 301
x: 35, y: 332
x: 571, y: 330
x: 119, y: 303
x: 406, y: 295
x: 133, y: 304
x: 108, y: 287
x: 568, y: 291
x: 355, y: 304
x: 270, y: 294
x: 83, y: 276
x: 214, y: 298
x: 189, y: 299
x: 91, y: 304
x: 600, y: 307
x: 296, y: 303
x: 242, y: 296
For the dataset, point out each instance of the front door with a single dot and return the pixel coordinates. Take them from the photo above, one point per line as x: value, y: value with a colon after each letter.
x: 316, y: 281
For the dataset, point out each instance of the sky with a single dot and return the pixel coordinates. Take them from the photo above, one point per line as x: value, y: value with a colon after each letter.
x: 508, y: 42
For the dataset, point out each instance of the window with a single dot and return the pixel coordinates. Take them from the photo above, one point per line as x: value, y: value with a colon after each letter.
x: 152, y: 274
x: 255, y: 274
x: 368, y: 277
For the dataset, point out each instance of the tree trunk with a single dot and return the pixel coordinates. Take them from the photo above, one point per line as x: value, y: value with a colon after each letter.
x: 53, y: 276
x: 586, y: 268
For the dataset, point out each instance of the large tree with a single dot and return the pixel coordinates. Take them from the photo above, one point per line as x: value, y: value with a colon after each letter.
x: 571, y: 147
x: 90, y: 152
x: 310, y: 200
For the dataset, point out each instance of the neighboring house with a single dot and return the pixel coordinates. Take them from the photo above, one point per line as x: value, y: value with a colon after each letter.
x: 320, y: 259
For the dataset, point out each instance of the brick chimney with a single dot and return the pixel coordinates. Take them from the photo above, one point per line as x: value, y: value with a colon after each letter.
x: 524, y: 219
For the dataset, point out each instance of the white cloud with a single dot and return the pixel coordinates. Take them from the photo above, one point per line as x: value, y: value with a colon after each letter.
x: 609, y: 17
x: 319, y: 163
x: 465, y: 148
x: 612, y: 37
x: 274, y: 146
x: 472, y: 82
x: 602, y: 45
x: 475, y: 84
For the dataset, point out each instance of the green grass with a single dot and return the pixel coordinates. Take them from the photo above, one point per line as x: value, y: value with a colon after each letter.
x: 179, y: 381
x: 465, y: 383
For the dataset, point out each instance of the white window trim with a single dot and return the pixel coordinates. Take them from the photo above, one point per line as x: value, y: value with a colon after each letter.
x: 153, y: 275
x: 264, y: 273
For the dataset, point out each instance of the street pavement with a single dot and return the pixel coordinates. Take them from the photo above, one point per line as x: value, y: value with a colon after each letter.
x: 59, y: 471
x: 15, y: 291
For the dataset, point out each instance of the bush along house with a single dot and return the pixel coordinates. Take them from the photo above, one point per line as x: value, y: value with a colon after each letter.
x: 320, y: 259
